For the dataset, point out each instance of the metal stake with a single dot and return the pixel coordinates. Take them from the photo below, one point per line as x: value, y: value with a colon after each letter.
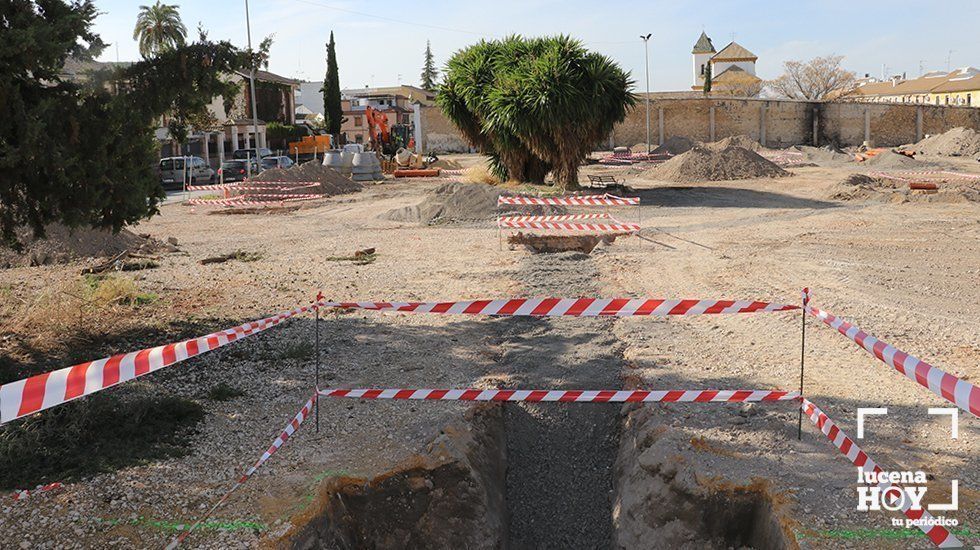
x: 799, y: 424
x: 317, y: 375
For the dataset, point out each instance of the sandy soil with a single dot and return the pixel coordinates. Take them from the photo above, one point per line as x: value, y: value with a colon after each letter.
x: 906, y: 272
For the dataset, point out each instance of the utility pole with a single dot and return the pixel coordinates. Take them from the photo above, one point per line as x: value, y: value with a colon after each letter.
x: 646, y: 58
x: 251, y: 85
x: 949, y: 55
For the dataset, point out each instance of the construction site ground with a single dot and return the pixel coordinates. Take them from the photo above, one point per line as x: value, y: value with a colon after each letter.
x: 586, y: 475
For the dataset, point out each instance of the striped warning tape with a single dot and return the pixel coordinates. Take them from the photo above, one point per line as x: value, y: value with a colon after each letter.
x: 914, y: 175
x: 564, y: 218
x: 255, y: 186
x: 615, y: 225
x: 43, y: 391
x: 47, y: 390
x: 286, y: 433
x: 939, y: 535
x: 568, y: 396
x: 571, y: 200
x: 955, y: 390
x: 25, y: 493
x: 246, y: 202
x: 573, y: 307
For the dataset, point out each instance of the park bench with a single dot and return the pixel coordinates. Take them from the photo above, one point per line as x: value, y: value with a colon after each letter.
x: 603, y: 181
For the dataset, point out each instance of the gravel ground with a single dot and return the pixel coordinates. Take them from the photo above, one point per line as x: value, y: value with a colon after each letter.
x: 907, y: 273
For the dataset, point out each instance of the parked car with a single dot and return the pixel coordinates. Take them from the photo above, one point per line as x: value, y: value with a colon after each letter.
x: 250, y: 153
x: 174, y: 171
x: 237, y: 170
x: 276, y: 162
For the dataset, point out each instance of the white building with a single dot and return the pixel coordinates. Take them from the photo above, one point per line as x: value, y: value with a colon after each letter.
x: 733, y: 64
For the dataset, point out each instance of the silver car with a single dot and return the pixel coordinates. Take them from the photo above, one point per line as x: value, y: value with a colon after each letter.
x: 174, y: 171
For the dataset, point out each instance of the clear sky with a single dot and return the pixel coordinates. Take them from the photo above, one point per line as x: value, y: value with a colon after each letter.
x: 382, y: 42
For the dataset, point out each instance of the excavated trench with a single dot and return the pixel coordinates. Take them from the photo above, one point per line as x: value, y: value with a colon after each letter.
x: 525, y: 475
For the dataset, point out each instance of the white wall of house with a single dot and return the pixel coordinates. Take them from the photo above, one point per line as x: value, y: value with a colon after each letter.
x: 700, y: 66
x: 719, y: 67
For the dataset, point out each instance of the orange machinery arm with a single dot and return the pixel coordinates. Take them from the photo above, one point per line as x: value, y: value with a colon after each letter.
x: 377, y: 126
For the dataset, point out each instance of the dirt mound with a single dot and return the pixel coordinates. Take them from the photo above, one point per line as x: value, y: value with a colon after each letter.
x: 890, y: 160
x: 826, y: 155
x: 550, y: 244
x: 706, y: 164
x: 859, y: 187
x: 450, y: 202
x: 331, y: 182
x: 674, y: 145
x: 740, y: 140
x: 958, y: 142
x: 62, y: 245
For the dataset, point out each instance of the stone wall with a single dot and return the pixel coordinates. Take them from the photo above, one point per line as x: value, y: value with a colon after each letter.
x: 775, y: 123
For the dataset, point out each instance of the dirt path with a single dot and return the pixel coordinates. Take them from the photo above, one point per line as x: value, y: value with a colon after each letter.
x: 560, y: 458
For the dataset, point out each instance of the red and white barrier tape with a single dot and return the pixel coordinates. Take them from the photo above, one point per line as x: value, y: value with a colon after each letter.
x: 286, y: 433
x: 25, y: 493
x: 47, y: 390
x: 918, y: 175
x: 567, y: 396
x: 571, y: 226
x: 255, y: 186
x: 939, y: 535
x: 572, y: 307
x: 571, y: 200
x: 958, y: 392
x: 564, y: 218
x: 246, y: 202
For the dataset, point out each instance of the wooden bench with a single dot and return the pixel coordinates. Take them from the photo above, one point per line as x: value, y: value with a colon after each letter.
x: 601, y: 182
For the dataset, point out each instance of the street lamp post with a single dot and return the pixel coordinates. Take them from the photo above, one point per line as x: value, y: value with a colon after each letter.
x: 251, y: 85
x: 646, y: 59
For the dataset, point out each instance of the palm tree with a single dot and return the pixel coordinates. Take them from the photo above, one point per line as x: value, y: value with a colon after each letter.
x: 158, y: 28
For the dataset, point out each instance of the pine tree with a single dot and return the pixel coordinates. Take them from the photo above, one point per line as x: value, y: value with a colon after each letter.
x: 707, y: 78
x: 333, y: 112
x: 429, y: 72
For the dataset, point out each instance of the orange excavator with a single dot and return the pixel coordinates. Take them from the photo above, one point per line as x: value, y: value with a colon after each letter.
x: 380, y: 134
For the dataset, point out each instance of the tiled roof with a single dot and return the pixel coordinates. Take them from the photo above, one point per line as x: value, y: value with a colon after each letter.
x: 733, y: 51
x: 703, y: 45
x: 959, y: 84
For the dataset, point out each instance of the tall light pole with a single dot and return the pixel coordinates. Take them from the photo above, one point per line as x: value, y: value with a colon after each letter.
x: 646, y: 58
x: 251, y: 87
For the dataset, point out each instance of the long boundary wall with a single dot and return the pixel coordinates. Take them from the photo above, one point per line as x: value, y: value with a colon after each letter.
x: 774, y: 123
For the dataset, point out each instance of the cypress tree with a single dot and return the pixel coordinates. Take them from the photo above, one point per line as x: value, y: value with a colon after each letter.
x: 429, y: 72
x: 333, y: 113
x: 707, y: 79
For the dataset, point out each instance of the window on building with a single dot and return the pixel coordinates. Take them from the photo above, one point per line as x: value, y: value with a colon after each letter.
x: 357, y: 120
x: 702, y: 69
x: 968, y: 98
x: 359, y: 138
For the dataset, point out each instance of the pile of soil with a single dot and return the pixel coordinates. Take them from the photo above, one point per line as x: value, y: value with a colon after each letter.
x: 890, y: 160
x: 331, y: 182
x: 859, y: 187
x: 551, y: 244
x: 958, y: 142
x: 461, y: 202
x: 707, y: 164
x: 674, y: 145
x: 62, y: 245
x: 740, y: 140
x: 453, y: 201
x: 828, y: 155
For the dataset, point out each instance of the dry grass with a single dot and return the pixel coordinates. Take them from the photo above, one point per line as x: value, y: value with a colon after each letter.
x: 57, y: 315
x: 479, y: 174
